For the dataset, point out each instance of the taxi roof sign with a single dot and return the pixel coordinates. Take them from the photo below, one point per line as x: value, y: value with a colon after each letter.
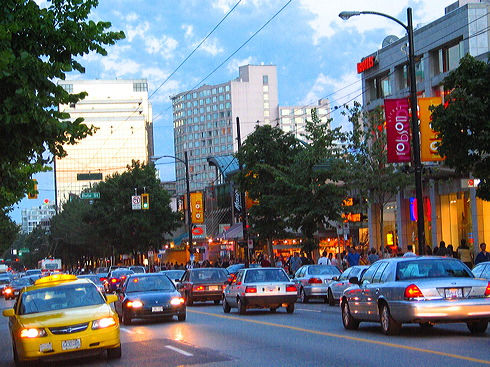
x: 55, y: 278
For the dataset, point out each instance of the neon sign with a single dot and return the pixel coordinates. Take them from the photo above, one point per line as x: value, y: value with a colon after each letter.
x: 365, y: 64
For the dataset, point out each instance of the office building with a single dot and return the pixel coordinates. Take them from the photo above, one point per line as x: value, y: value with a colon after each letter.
x: 122, y: 114
x: 37, y: 216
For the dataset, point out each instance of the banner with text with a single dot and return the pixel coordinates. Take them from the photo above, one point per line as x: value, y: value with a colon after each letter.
x: 428, y: 137
x: 197, y: 207
x: 397, y: 130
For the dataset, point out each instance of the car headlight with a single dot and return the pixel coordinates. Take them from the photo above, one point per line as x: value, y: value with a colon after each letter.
x: 134, y: 304
x: 103, y: 323
x: 32, y: 333
x: 177, y: 301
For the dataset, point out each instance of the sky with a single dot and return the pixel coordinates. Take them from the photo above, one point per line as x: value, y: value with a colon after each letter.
x: 314, y: 50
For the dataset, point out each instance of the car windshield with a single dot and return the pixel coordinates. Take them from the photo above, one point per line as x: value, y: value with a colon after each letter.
x: 266, y: 275
x: 59, y: 298
x: 323, y: 270
x: 150, y: 284
x: 22, y: 282
x: 431, y: 268
x: 120, y: 273
x: 209, y: 275
x: 137, y: 269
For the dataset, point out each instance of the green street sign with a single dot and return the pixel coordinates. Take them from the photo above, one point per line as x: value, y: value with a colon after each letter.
x: 90, y: 195
x: 24, y: 250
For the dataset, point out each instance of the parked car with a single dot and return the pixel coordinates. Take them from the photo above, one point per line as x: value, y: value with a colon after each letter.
x: 149, y: 296
x: 115, y: 278
x: 312, y: 281
x: 337, y: 286
x: 173, y: 275
x: 482, y: 270
x: 424, y: 290
x: 137, y: 269
x: 61, y: 316
x: 203, y: 284
x: 260, y: 288
x: 94, y: 278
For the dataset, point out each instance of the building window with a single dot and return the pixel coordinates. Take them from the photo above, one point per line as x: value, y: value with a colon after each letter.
x: 265, y: 79
x: 140, y: 87
x: 379, y: 87
x: 448, y: 57
x: 68, y: 87
x: 402, y: 75
x: 265, y: 88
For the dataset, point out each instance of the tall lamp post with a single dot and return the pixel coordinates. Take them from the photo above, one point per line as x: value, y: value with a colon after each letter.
x: 415, y: 125
x: 188, y: 191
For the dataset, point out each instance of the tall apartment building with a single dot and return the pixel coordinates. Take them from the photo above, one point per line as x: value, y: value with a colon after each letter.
x: 293, y: 118
x: 205, y: 120
x: 454, y: 212
x: 37, y: 216
x: 123, y: 116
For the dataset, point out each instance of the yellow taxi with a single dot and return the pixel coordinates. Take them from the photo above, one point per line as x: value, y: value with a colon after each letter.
x: 59, y: 317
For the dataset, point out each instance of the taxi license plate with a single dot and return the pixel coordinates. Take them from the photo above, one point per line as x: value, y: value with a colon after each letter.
x: 70, y: 344
x: 213, y: 287
x: 453, y: 292
x: 157, y: 309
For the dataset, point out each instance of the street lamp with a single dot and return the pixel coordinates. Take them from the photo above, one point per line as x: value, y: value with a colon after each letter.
x: 415, y: 125
x: 189, y: 218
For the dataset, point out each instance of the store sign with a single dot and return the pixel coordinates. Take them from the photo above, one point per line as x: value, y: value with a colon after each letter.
x: 197, y: 207
x: 365, y: 64
x: 199, y: 231
x: 428, y: 137
x: 397, y: 130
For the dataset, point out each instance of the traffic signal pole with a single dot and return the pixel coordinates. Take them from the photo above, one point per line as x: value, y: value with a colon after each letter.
x: 242, y: 198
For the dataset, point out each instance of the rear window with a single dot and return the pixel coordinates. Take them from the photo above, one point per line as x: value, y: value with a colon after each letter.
x: 60, y: 297
x: 149, y: 284
x: 323, y: 270
x: 209, y: 275
x: 119, y: 273
x: 266, y: 275
x: 431, y: 268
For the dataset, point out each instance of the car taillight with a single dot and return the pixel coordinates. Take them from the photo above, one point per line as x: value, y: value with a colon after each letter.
x: 315, y: 281
x: 123, y: 277
x: 114, y: 280
x: 223, y: 286
x: 291, y: 288
x: 487, y: 291
x: 102, y: 279
x: 412, y: 291
x: 199, y: 288
x: 251, y: 290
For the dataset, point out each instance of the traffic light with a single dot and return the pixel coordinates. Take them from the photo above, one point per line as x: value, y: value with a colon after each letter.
x: 33, y: 194
x: 145, y: 201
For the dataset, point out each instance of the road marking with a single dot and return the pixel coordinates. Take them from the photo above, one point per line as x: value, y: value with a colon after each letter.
x: 305, y: 309
x: 126, y: 330
x: 332, y: 335
x: 175, y: 349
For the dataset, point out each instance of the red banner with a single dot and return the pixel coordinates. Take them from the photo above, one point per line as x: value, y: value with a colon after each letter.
x: 397, y: 130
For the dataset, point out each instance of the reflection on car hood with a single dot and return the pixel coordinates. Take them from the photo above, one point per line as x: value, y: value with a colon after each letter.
x: 68, y: 316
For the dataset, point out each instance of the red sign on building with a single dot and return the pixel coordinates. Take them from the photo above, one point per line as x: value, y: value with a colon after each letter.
x: 397, y: 130
x: 365, y: 64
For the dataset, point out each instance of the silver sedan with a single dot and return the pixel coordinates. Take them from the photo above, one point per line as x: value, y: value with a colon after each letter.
x: 313, y: 280
x: 424, y: 290
x: 337, y: 286
x: 482, y: 270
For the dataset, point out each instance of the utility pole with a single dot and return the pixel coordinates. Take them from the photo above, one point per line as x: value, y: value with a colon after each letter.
x: 242, y: 198
x: 189, y: 217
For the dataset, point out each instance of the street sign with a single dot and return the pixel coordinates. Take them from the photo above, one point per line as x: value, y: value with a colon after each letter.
x: 250, y: 244
x: 90, y: 195
x: 24, y: 250
x: 136, y: 202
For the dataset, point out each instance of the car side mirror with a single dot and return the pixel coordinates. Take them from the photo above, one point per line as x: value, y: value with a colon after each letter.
x: 8, y: 312
x: 111, y: 298
x: 354, y: 280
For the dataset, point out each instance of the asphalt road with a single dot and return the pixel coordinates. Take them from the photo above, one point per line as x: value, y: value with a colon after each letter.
x: 312, y: 336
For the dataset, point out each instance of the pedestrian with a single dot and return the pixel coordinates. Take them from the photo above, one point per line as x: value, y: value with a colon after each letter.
x: 265, y: 263
x: 336, y: 261
x: 483, y: 255
x: 442, y: 249
x: 450, y: 251
x: 330, y: 259
x: 353, y: 257
x: 279, y: 262
x: 373, y: 256
x: 323, y: 260
x: 409, y: 252
x: 295, y: 263
x: 363, y: 259
x: 428, y: 250
x: 465, y: 254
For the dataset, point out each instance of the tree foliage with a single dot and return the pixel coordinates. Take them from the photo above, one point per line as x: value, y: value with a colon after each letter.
x: 37, y: 47
x: 463, y: 122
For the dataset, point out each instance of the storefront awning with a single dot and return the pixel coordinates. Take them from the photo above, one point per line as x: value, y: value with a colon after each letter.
x: 234, y: 232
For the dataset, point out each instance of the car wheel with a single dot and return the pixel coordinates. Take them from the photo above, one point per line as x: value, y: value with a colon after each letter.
x: 303, y: 297
x: 349, y: 322
x: 181, y: 316
x: 241, y: 307
x: 331, y: 300
x: 125, y: 318
x: 216, y: 301
x: 290, y: 308
x: 114, y: 353
x: 226, y: 306
x: 477, y: 327
x: 388, y: 324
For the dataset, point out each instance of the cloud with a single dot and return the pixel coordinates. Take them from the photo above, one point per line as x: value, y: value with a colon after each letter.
x: 117, y: 64
x: 189, y: 30
x: 137, y: 31
x: 211, y: 46
x: 233, y: 65
x: 131, y: 17
x: 223, y: 5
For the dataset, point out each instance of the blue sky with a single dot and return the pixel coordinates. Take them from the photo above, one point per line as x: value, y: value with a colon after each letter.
x: 314, y: 50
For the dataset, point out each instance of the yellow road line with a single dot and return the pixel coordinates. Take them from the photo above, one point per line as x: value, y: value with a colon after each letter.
x: 392, y: 345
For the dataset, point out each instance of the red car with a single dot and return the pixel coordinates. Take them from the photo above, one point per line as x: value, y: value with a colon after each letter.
x: 203, y: 284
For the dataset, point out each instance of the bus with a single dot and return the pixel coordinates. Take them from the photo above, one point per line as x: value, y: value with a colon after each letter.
x: 49, y: 265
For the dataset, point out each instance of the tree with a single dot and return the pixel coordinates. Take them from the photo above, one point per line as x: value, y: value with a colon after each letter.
x: 8, y: 231
x: 463, y: 122
x: 37, y: 47
x: 370, y: 174
x: 316, y: 190
x: 266, y: 154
